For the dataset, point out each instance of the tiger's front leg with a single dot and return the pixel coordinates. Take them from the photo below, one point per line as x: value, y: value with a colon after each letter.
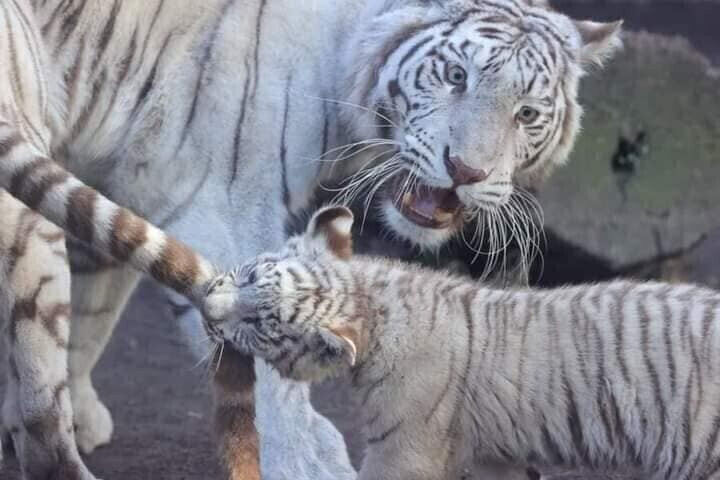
x: 100, y: 292
x: 296, y: 442
x: 35, y: 309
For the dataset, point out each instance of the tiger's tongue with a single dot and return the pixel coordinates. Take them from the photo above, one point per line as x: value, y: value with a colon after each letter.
x: 425, y: 205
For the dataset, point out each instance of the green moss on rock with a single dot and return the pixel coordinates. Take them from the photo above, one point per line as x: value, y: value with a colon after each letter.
x: 661, y: 86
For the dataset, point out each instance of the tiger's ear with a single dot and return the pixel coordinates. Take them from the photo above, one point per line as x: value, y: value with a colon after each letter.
x: 599, y: 40
x: 333, y: 226
x: 344, y: 341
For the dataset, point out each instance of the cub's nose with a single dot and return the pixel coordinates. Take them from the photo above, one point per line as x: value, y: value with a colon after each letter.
x: 461, y: 173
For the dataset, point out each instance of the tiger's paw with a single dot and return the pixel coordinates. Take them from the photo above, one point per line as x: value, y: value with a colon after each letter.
x: 68, y: 471
x: 38, y: 463
x: 92, y: 419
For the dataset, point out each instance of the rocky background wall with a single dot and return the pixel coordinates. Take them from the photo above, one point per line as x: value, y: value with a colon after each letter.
x: 641, y: 192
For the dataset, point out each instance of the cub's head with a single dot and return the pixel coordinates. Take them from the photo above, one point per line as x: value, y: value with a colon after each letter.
x: 294, y: 308
x: 474, y: 98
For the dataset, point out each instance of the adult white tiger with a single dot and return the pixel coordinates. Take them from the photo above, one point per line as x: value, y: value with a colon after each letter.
x: 202, y: 118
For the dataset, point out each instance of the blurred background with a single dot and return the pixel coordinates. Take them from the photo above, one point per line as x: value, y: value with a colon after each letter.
x: 640, y: 197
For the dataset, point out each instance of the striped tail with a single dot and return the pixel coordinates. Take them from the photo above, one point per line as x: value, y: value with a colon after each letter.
x: 46, y: 187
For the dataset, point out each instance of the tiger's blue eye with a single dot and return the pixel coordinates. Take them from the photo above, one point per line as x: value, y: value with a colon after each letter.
x: 252, y: 277
x: 456, y: 75
x: 527, y: 115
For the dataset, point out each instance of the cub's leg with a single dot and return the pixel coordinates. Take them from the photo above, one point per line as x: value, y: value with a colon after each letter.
x: 419, y: 456
x: 100, y: 291
x: 36, y: 311
x: 386, y: 460
x: 499, y: 472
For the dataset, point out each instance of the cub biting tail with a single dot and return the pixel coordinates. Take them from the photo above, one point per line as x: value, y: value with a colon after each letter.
x: 620, y: 374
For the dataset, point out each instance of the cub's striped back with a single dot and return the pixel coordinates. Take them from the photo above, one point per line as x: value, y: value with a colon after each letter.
x: 615, y: 375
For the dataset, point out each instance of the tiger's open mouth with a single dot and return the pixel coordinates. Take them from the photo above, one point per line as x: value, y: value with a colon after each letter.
x: 426, y: 206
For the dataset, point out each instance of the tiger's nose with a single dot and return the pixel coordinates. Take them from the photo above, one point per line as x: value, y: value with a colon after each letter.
x: 461, y: 173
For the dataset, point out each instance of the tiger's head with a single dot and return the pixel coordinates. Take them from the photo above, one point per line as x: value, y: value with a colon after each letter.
x: 476, y: 99
x: 296, y: 307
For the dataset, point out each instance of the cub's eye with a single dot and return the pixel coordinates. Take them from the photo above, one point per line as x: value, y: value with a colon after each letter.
x: 527, y: 115
x: 456, y: 75
x: 217, y: 283
x: 252, y: 277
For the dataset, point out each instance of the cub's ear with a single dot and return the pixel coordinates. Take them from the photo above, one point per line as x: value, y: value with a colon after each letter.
x: 599, y: 40
x: 333, y: 226
x: 341, y: 342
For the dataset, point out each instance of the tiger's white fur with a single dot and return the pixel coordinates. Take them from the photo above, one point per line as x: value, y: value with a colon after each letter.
x: 615, y: 375
x: 35, y: 290
x: 35, y: 321
x: 205, y: 118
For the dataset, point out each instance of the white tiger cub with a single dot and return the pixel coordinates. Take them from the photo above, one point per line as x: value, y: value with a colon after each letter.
x: 609, y: 375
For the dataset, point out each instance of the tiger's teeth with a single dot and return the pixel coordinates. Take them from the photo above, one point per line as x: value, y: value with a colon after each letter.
x: 443, y: 216
x: 407, y: 199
